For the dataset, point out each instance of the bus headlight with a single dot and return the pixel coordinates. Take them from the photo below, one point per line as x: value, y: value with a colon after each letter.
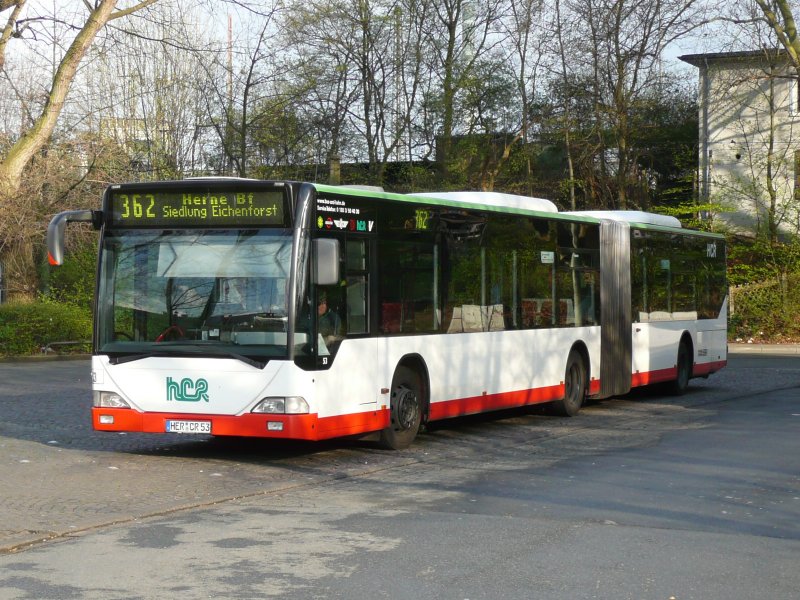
x: 108, y: 400
x: 289, y: 405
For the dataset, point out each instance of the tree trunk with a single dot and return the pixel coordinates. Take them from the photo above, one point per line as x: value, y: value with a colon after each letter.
x: 448, y: 96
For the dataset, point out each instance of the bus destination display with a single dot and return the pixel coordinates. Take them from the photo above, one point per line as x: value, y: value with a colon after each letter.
x: 223, y: 208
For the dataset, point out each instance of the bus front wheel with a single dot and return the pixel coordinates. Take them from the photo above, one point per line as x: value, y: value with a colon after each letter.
x: 574, y: 386
x: 406, y: 410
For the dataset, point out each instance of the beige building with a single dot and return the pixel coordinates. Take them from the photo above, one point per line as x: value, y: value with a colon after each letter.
x: 750, y: 139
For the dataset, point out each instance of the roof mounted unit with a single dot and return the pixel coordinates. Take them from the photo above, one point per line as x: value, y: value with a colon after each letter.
x: 494, y: 199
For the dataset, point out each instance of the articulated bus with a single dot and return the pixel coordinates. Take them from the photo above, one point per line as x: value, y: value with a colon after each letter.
x: 236, y: 307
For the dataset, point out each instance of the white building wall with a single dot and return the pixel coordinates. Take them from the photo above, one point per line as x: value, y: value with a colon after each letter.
x: 749, y: 132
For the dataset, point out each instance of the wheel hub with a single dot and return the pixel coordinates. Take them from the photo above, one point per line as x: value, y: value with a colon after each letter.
x: 405, y: 407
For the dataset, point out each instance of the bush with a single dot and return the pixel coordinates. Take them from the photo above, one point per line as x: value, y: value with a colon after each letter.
x: 25, y: 328
x: 765, y: 293
x: 767, y: 312
x: 752, y: 261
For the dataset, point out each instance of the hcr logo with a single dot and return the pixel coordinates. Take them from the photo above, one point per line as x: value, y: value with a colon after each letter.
x: 187, y: 390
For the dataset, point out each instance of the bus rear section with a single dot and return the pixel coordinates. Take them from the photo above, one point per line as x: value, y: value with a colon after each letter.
x: 679, y: 306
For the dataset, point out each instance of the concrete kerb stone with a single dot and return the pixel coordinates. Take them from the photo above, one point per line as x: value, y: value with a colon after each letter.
x: 15, y: 541
x: 765, y: 349
x: 44, y: 358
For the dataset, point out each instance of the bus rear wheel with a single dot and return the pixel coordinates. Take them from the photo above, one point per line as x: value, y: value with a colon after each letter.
x: 406, y: 410
x: 575, y: 387
x: 680, y: 384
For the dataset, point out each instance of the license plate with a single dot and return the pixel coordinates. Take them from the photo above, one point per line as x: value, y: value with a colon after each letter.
x: 188, y: 426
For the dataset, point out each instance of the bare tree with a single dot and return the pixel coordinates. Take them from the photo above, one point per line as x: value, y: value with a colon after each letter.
x: 563, y: 75
x: 19, y: 153
x: 528, y: 36
x: 144, y: 93
x: 359, y: 66
x: 12, y: 28
x: 624, y: 44
x: 322, y: 74
x: 461, y: 34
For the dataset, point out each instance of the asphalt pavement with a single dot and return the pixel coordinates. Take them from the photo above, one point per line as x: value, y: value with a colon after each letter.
x: 647, y: 496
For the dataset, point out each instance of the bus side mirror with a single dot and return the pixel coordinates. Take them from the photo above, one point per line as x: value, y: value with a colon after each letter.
x: 326, y: 261
x: 55, y: 232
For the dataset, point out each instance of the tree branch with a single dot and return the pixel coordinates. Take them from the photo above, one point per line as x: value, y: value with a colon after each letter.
x: 8, y: 30
x: 786, y: 32
x: 127, y: 11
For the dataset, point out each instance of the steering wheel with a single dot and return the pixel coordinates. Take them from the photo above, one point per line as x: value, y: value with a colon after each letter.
x: 173, y: 332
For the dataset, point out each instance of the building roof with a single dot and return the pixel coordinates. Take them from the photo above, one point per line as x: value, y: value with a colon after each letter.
x: 699, y: 60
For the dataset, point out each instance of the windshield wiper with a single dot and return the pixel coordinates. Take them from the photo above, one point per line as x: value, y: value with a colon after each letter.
x: 192, y: 348
x: 245, y: 359
x: 126, y: 358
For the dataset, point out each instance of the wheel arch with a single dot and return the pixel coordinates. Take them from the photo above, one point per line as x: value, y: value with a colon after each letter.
x: 686, y: 338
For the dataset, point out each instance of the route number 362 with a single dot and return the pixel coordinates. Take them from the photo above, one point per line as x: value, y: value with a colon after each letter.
x: 137, y: 206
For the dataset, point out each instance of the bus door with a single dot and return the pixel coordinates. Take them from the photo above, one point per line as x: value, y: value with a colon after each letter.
x: 345, y: 338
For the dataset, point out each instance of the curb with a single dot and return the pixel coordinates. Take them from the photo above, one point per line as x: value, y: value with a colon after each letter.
x: 43, y: 358
x: 765, y: 349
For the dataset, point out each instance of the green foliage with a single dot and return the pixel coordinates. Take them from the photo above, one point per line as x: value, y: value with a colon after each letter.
x: 63, y: 311
x: 689, y: 213
x: 665, y: 136
x: 766, y: 290
x: 25, y: 328
x: 767, y: 312
x: 755, y: 261
x: 74, y: 281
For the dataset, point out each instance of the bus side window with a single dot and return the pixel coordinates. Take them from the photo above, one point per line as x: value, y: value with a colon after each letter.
x: 407, y: 286
x: 357, y: 292
x: 357, y: 304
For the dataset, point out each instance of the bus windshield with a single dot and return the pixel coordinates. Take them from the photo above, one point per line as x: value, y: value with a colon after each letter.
x: 212, y: 292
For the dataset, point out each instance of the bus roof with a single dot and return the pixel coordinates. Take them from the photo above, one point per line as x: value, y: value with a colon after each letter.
x: 515, y: 204
x: 628, y: 216
x: 494, y: 199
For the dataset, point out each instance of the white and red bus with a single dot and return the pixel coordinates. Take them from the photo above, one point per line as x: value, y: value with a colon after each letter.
x: 239, y: 307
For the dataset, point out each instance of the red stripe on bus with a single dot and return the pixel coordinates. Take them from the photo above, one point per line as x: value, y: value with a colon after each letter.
x: 648, y: 377
x: 313, y: 427
x: 709, y: 367
x: 296, y: 427
x: 661, y: 375
x: 487, y: 402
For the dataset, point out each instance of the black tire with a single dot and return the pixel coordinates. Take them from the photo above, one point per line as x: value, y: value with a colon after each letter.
x: 575, y: 386
x: 406, y: 410
x: 680, y: 384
